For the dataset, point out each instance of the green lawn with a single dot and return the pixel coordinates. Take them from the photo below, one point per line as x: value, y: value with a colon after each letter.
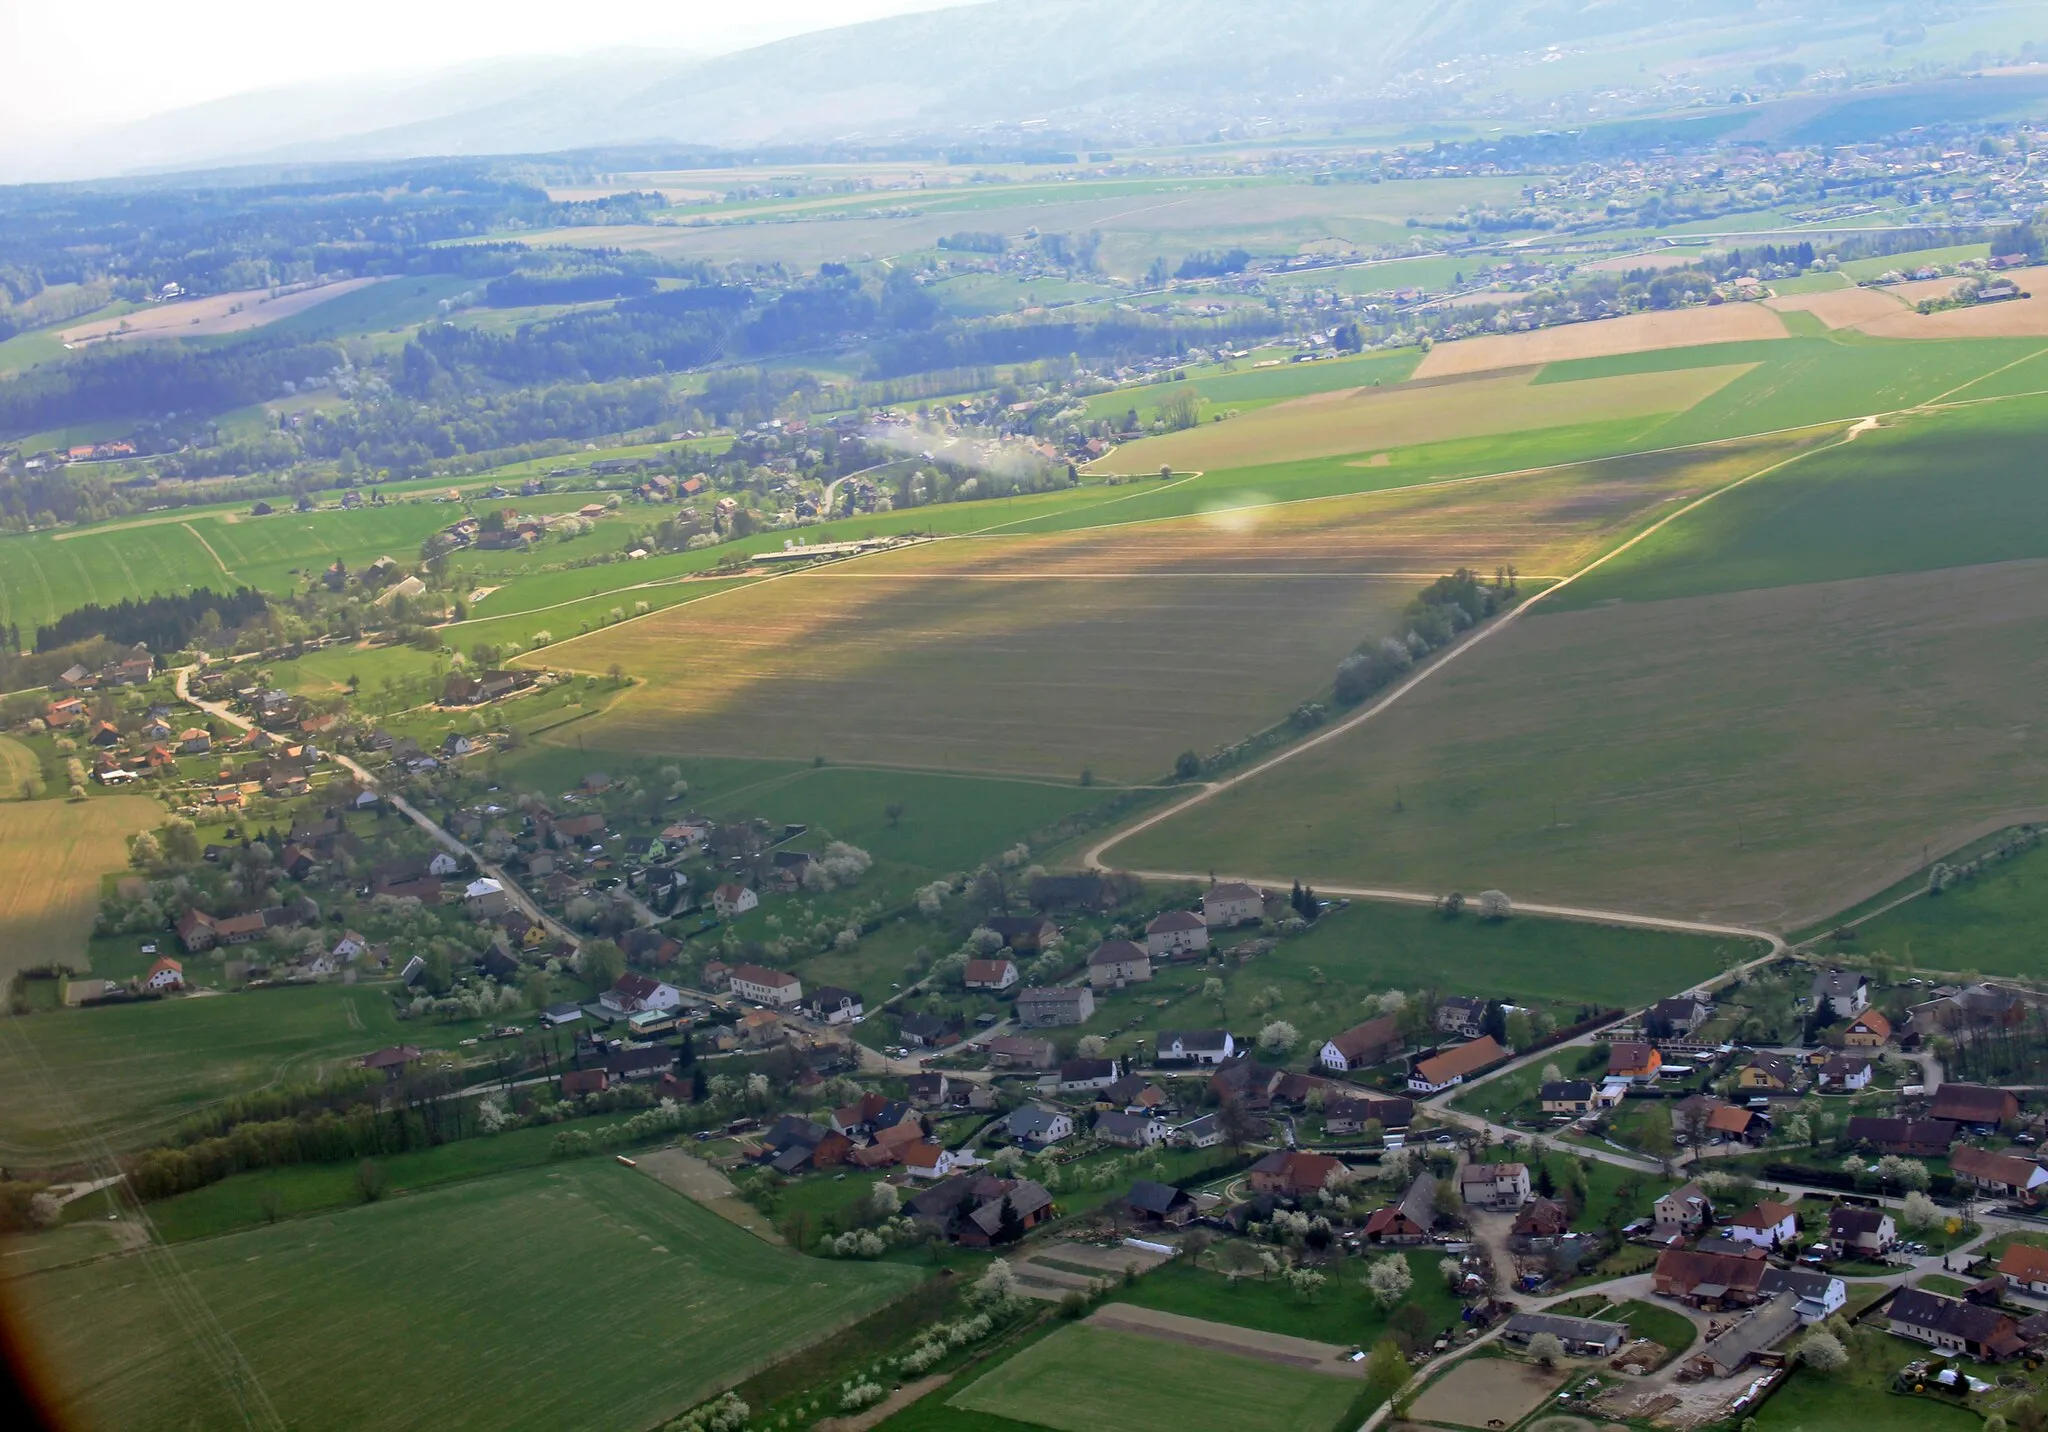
x: 1085, y: 1379
x: 1343, y: 1312
x: 1859, y: 1396
x: 1321, y: 976
x: 1662, y: 1326
x: 595, y: 1297
x: 125, y: 1072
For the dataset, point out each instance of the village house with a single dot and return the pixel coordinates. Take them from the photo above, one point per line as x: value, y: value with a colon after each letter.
x: 1435, y: 1070
x: 1710, y: 1280
x: 1974, y: 1104
x: 2025, y: 1266
x: 1676, y: 1017
x: 927, y: 1031
x: 1955, y: 1326
x: 794, y: 1143
x: 1202, y: 1132
x: 1816, y: 1296
x: 1013, y: 1051
x: 485, y: 898
x: 1129, y: 1131
x: 1868, y: 1030
x: 1684, y: 1211
x: 165, y: 974
x: 1038, y: 1126
x: 578, y: 1082
x: 1462, y: 1015
x: 1408, y: 1222
x: 927, y: 1090
x: 1054, y: 1005
x: 1195, y: 1046
x: 1363, y: 1045
x: 1294, y: 1173
x: 1843, y: 1074
x: 1727, y: 1121
x: 1854, y: 1231
x: 1176, y: 932
x: 729, y: 900
x: 1635, y: 1063
x: 1232, y: 903
x: 2000, y: 1175
x: 1842, y: 994
x: 1498, y: 1186
x: 992, y: 975
x: 1539, y: 1225
x: 1566, y: 1096
x: 631, y: 993
x: 1768, y: 1225
x: 1079, y: 1076
x: 1115, y: 963
x: 1769, y: 1073
x: 832, y: 1005
x: 764, y: 986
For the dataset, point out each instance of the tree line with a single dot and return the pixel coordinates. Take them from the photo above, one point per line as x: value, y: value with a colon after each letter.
x: 1449, y: 605
x: 162, y: 624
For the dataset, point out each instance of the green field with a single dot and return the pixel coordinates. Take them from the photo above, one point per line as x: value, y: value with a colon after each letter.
x: 1084, y: 1379
x: 1860, y: 1396
x: 1847, y: 678
x: 123, y: 1072
x: 1320, y: 977
x: 1952, y: 489
x: 1987, y: 925
x: 709, y: 1304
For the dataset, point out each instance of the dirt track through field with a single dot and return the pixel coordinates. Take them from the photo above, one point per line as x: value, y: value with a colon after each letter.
x: 699, y: 1182
x: 1223, y: 1337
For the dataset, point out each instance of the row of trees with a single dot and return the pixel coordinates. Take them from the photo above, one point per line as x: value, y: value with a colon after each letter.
x: 1449, y: 605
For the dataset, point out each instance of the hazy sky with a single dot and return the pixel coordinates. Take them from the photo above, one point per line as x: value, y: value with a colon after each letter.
x: 76, y: 64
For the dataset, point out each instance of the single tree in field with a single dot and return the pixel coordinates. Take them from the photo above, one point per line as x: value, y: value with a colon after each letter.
x: 894, y: 812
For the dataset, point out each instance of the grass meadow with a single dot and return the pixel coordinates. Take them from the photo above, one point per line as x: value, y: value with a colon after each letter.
x: 124, y: 1072
x: 651, y: 1304
x: 1084, y: 1378
x: 52, y: 854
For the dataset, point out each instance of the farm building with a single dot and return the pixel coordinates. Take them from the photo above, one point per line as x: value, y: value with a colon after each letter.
x: 1582, y: 1337
x: 1442, y: 1069
x: 1363, y: 1045
x: 1955, y: 1326
x: 1974, y: 1104
x: 1195, y: 1046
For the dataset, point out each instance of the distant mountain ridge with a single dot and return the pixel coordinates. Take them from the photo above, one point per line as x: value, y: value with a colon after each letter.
x: 1124, y: 69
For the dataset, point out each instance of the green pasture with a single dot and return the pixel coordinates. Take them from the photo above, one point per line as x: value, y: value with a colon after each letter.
x: 1950, y: 489
x: 1084, y: 1378
x: 710, y: 1305
x: 124, y: 1072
